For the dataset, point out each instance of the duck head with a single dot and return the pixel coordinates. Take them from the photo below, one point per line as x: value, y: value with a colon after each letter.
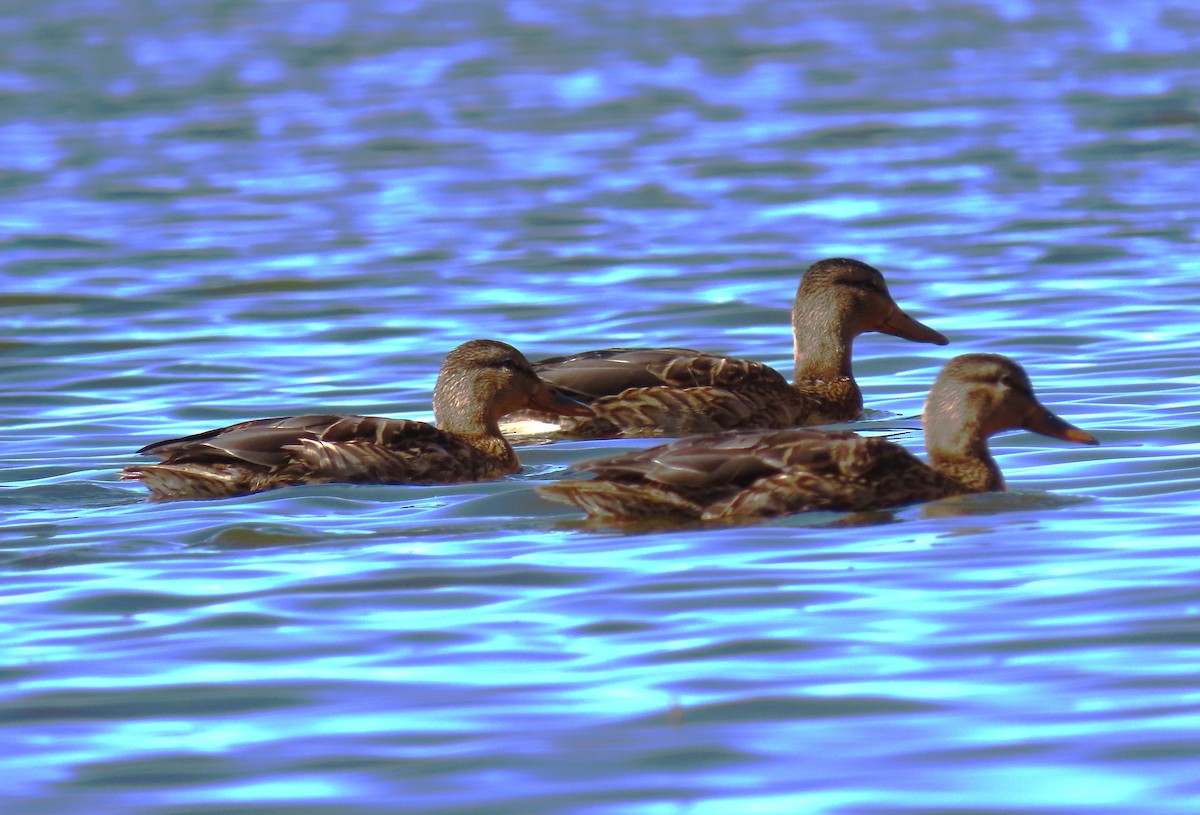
x: 856, y: 297
x: 981, y: 395
x: 482, y: 380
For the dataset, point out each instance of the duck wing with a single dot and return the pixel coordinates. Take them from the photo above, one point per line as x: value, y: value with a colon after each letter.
x: 666, y: 391
x: 395, y: 451
x: 264, y: 442
x: 695, y: 463
x: 842, y: 472
x: 318, y: 448
x: 233, y: 460
x: 752, y: 474
x: 608, y: 372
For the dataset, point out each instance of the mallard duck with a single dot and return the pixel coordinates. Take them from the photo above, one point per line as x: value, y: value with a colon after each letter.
x: 742, y: 475
x: 479, y: 382
x: 678, y: 391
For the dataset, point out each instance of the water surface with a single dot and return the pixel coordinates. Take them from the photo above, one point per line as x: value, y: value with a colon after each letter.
x: 211, y: 212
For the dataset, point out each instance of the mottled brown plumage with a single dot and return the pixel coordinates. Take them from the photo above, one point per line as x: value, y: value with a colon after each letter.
x: 741, y: 475
x: 479, y: 382
x: 677, y: 391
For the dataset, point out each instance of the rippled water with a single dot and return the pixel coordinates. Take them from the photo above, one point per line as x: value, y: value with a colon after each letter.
x: 219, y: 211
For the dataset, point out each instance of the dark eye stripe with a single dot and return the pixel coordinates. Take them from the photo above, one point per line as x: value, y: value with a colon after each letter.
x: 1007, y: 381
x: 858, y: 284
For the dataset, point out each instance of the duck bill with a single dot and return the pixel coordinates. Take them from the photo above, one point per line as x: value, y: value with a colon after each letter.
x: 899, y: 324
x: 552, y: 400
x: 1046, y: 423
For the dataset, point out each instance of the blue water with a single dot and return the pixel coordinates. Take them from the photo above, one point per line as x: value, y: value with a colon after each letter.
x: 219, y: 211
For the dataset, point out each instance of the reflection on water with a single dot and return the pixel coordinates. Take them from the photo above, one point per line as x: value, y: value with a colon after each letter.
x: 215, y: 212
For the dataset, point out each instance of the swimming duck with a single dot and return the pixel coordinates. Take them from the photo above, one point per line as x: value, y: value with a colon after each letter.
x: 479, y: 382
x: 744, y: 475
x: 678, y: 391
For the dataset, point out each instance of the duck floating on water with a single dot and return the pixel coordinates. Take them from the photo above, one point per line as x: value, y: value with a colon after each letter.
x: 678, y: 391
x: 746, y: 475
x: 479, y: 382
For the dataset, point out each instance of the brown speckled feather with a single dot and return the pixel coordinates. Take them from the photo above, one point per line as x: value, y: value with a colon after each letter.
x: 260, y: 455
x: 877, y: 475
x: 742, y: 475
x: 479, y: 381
x: 678, y: 391
x: 753, y: 474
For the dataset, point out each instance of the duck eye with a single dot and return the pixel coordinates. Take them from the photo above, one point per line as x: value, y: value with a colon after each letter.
x: 507, y: 363
x: 861, y: 283
x: 1013, y: 384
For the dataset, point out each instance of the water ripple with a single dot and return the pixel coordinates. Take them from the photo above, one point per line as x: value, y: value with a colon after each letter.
x: 220, y: 212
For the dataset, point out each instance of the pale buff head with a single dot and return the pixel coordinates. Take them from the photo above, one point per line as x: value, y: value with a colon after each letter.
x: 853, y: 296
x: 978, y: 395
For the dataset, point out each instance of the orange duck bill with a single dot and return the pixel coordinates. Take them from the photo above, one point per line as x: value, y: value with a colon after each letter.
x: 899, y: 324
x: 552, y: 400
x: 1044, y: 422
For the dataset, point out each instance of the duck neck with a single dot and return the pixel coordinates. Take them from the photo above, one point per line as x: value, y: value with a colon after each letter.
x: 494, y: 446
x: 963, y: 455
x: 474, y: 426
x: 821, y: 350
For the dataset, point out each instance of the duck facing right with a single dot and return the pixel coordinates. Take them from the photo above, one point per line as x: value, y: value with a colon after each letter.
x: 744, y: 475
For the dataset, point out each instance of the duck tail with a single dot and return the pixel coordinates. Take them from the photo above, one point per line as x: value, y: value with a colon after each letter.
x: 168, y: 482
